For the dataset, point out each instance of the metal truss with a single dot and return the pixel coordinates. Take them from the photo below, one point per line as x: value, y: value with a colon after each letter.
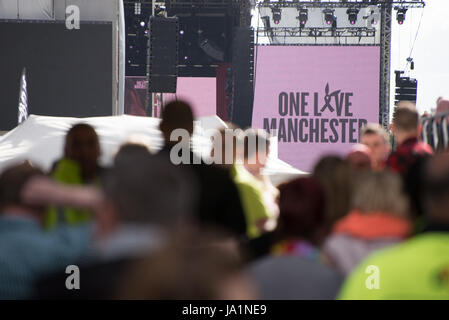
x: 385, y: 62
x: 296, y: 32
x: 245, y: 12
x: 386, y: 10
x: 340, y: 4
x: 209, y: 4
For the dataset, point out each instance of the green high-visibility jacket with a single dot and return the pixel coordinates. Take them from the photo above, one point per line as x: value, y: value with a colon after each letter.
x: 415, y: 269
x: 69, y: 172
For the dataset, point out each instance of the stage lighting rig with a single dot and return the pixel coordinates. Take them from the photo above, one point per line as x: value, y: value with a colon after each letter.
x: 352, y: 15
x: 329, y: 16
x: 303, y: 17
x: 400, y: 14
x: 277, y: 14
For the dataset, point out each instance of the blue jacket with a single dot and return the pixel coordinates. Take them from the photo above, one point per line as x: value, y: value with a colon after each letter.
x: 27, y: 252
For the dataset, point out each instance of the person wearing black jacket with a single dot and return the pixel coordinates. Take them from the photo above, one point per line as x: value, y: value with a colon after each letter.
x: 219, y: 201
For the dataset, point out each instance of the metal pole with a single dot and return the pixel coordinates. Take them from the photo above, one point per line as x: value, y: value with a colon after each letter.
x: 153, y: 4
x: 384, y: 93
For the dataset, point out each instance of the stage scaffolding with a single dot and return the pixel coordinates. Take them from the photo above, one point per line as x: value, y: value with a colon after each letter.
x: 364, y: 32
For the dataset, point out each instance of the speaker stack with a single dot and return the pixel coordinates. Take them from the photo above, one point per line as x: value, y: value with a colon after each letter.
x: 163, y: 54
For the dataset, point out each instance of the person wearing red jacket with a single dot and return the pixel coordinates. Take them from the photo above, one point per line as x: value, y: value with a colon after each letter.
x: 406, y: 129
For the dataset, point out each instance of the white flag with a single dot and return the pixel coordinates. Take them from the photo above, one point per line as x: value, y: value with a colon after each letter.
x: 23, y: 98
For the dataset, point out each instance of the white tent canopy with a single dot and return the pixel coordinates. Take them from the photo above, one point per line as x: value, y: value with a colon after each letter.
x: 41, y: 139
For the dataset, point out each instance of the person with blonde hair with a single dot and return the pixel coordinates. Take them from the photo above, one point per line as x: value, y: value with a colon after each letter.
x: 417, y: 268
x: 378, y: 218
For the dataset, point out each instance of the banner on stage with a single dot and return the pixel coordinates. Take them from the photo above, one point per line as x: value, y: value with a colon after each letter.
x: 315, y: 98
x: 136, y: 96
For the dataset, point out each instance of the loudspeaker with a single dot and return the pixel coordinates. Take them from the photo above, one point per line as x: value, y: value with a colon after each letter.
x: 242, y: 76
x: 163, y: 54
x: 406, y: 88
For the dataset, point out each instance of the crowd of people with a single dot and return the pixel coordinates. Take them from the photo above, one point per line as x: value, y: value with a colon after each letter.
x: 373, y: 224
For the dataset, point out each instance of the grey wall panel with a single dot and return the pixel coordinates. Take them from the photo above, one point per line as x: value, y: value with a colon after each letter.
x: 90, y: 10
x: 26, y: 9
x: 69, y: 73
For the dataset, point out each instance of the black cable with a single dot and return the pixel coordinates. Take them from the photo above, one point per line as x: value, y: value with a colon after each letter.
x: 414, y: 41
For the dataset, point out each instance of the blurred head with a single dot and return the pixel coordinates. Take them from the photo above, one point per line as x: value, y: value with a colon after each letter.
x: 406, y: 104
x: 128, y: 151
x: 442, y: 106
x: 302, y: 204
x: 256, y: 149
x: 405, y: 123
x: 360, y: 157
x: 190, y: 266
x: 336, y: 176
x: 380, y: 192
x: 142, y: 188
x: 376, y: 139
x: 229, y: 143
x: 12, y: 183
x: 83, y: 146
x: 176, y: 115
x: 436, y: 189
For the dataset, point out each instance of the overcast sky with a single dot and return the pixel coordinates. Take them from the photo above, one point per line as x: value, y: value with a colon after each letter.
x: 431, y: 51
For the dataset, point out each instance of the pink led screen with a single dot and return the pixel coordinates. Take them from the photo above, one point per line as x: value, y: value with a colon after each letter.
x: 201, y: 93
x: 315, y: 98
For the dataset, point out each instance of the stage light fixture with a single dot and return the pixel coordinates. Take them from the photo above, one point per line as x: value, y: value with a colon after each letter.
x: 137, y: 8
x: 329, y: 16
x: 276, y: 15
x: 352, y: 15
x: 400, y: 15
x: 303, y: 17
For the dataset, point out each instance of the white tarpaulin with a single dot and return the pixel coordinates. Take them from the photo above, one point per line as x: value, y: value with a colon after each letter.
x: 41, y: 139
